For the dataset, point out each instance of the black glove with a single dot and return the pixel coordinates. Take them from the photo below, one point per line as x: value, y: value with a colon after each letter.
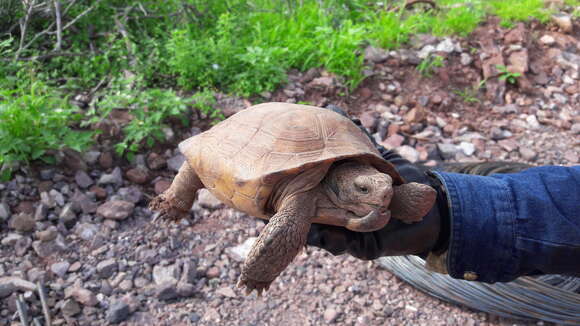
x: 396, y: 238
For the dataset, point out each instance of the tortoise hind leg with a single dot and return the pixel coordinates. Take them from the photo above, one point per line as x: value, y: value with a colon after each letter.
x: 280, y: 241
x: 175, y: 203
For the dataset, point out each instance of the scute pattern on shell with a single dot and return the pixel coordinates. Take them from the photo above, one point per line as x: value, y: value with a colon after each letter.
x: 242, y: 158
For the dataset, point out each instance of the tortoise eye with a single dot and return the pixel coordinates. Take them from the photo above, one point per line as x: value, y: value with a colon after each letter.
x: 363, y: 189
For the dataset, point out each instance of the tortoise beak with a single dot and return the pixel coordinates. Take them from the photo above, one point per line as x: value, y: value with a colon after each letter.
x: 375, y: 220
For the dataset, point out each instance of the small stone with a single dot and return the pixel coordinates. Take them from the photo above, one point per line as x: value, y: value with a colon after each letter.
x: 47, y: 235
x: 408, y: 153
x: 176, y: 162
x: 41, y: 212
x: 375, y: 55
x: 45, y: 249
x: 499, y: 134
x: 138, y: 175
x: 22, y: 222
x: 114, y: 178
x: 156, y: 161
x: 185, y: 290
x: 516, y: 35
x: 82, y: 179
x: 84, y: 296
x: 467, y: 148
x: 226, y: 292
x: 416, y: 115
x: 509, y: 145
x: 116, y: 209
x: 131, y: 194
x: 4, y: 212
x: 107, y: 268
x: 67, y: 215
x: 426, y: 51
x: 240, y: 252
x: 6, y: 288
x: 533, y: 122
x: 213, y: 272
x: 11, y: 239
x: 330, y: 315
x: 75, y: 267
x: 563, y: 21
x: 106, y: 160
x: 166, y: 291
x: 465, y: 59
x: 118, y: 312
x: 393, y: 141
x: 70, y: 308
x: 99, y: 192
x: 446, y: 46
x: 547, y: 40
x: 571, y: 156
x: 528, y: 154
x: 575, y: 128
x: 369, y: 120
x: 60, y: 268
x: 57, y: 197
x: 506, y: 109
x: 207, y: 200
x: 447, y: 151
x: 86, y: 231
x: 166, y: 274
x: 91, y: 157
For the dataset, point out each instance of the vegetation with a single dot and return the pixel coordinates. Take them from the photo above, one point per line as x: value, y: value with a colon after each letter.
x: 505, y: 74
x: 428, y: 65
x: 178, y: 47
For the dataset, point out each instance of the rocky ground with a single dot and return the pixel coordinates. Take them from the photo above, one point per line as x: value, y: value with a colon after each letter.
x: 83, y: 231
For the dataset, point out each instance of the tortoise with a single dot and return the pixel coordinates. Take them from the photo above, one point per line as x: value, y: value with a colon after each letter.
x: 292, y: 165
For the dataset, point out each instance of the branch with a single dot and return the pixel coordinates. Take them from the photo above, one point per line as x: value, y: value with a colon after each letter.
x: 23, y: 28
x: 48, y: 56
x: 125, y: 34
x: 58, y: 46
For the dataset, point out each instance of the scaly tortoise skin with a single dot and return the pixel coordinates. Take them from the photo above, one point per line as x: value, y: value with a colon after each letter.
x: 292, y: 165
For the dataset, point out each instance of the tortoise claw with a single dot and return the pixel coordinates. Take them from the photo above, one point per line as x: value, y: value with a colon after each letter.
x: 165, y: 211
x: 251, y: 285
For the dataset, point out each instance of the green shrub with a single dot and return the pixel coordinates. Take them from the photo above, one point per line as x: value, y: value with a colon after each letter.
x: 34, y: 120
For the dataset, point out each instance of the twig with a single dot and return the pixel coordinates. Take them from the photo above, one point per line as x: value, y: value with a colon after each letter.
x: 24, y: 27
x: 58, y: 46
x: 45, y: 310
x: 48, y: 56
x: 37, y: 321
x: 47, y: 31
x: 22, y: 310
x: 96, y: 88
x: 125, y: 34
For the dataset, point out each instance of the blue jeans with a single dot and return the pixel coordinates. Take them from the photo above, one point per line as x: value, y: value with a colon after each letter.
x: 508, y: 225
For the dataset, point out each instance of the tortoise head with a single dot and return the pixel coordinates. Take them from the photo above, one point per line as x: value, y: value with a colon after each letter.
x: 362, y: 190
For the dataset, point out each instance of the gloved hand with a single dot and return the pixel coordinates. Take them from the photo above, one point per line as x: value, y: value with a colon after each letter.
x: 396, y: 238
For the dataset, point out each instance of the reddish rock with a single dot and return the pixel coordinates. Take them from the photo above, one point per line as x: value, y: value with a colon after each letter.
x: 393, y: 141
x: 26, y: 207
x: 516, y: 34
x: 106, y: 160
x: 156, y: 161
x: 101, y: 193
x: 509, y: 145
x: 116, y: 209
x: 138, y: 175
x: 416, y: 115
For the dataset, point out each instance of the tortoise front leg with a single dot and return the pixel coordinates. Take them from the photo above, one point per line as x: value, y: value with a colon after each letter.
x: 175, y: 203
x: 278, y: 244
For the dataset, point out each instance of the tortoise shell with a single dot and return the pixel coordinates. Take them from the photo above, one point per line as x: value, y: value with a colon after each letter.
x: 242, y: 159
